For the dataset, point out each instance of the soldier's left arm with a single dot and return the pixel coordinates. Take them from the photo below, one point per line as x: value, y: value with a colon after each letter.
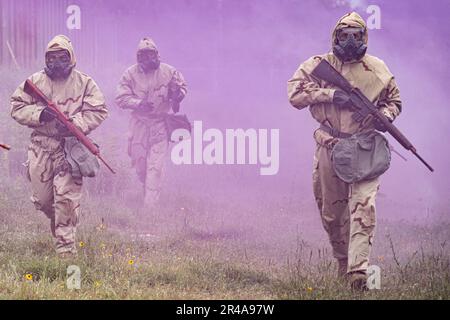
x: 389, y: 102
x: 178, y: 86
x: 93, y: 110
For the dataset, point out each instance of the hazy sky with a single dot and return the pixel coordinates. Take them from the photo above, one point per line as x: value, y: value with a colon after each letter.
x: 237, y: 55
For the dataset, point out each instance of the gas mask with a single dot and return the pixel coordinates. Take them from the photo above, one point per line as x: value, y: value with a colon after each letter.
x: 349, y: 44
x: 148, y: 60
x: 57, y: 64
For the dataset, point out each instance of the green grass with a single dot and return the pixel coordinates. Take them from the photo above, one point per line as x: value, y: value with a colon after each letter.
x: 178, y: 258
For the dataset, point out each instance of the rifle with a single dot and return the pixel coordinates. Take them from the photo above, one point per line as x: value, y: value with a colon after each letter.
x: 362, y: 105
x: 5, y: 146
x: 37, y: 94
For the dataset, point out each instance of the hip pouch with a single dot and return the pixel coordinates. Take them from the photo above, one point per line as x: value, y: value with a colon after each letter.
x: 363, y: 156
x: 81, y: 160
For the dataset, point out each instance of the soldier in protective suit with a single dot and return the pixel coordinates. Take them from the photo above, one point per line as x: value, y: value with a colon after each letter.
x: 150, y: 89
x: 55, y: 190
x: 347, y: 209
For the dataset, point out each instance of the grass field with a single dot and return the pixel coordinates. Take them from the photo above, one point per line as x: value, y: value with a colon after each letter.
x: 192, y: 252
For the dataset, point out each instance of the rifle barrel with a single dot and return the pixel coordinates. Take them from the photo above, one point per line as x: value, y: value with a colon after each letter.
x: 422, y: 160
x: 5, y: 146
x: 107, y: 165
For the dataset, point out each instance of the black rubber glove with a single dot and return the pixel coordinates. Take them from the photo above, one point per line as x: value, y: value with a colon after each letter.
x: 47, y: 115
x: 379, y: 125
x: 341, y: 99
x: 176, y: 94
x: 175, y: 106
x: 175, y: 97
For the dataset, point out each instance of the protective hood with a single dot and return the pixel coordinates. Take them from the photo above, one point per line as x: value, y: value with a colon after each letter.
x: 148, y: 62
x: 352, y: 20
x: 62, y: 42
x: 147, y: 43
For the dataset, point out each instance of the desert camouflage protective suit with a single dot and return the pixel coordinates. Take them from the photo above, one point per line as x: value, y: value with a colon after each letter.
x: 148, y: 140
x: 55, y: 191
x: 347, y: 210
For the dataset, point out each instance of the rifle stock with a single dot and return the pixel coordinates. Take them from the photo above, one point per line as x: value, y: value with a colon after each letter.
x: 36, y: 93
x: 362, y: 105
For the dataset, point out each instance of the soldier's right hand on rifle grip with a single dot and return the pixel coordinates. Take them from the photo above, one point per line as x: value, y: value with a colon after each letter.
x: 47, y: 115
x: 62, y: 130
x: 341, y: 99
x: 379, y: 125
